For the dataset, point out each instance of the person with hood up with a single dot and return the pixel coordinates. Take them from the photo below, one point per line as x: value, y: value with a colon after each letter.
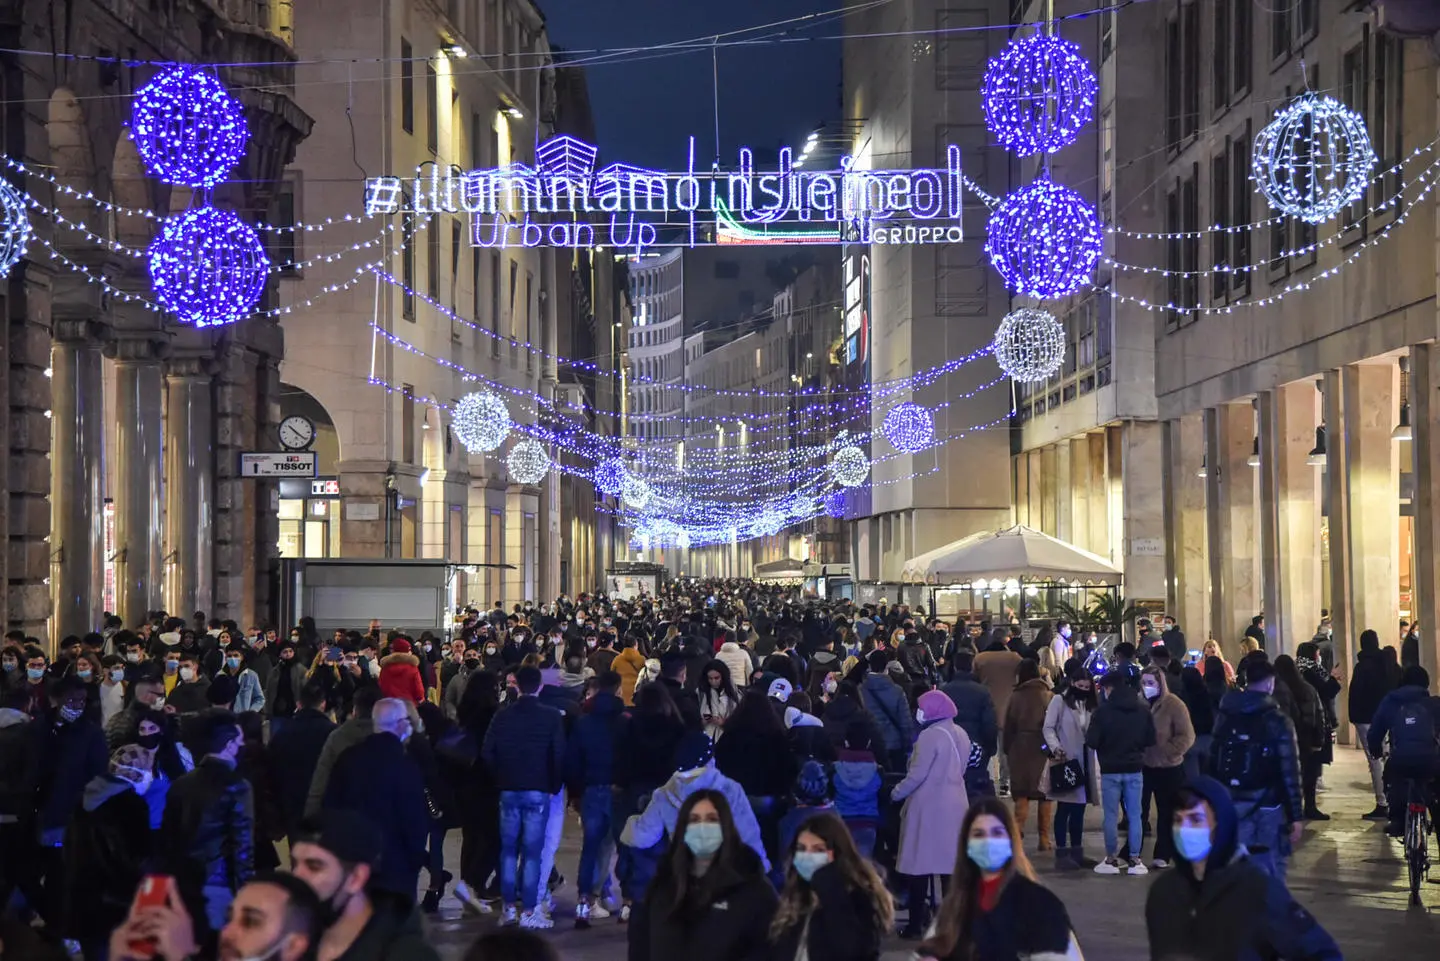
x: 1165, y: 759
x: 400, y: 674
x: 995, y: 668
x: 629, y: 664
x: 694, y: 771
x: 711, y: 900
x: 1120, y: 732
x: 337, y: 855
x: 1370, y: 681
x: 1023, y: 734
x: 107, y: 843
x: 282, y: 687
x: 935, y: 800
x: 1410, y: 717
x: 890, y: 708
x: 1218, y: 905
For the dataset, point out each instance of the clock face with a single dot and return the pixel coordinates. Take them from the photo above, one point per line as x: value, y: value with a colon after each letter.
x: 296, y: 433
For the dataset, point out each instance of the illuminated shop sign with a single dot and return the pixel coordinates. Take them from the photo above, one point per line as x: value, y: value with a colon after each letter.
x: 564, y: 201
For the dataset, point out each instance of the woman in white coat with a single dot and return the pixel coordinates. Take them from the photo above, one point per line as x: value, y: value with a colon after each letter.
x: 935, y: 803
x: 1066, y: 720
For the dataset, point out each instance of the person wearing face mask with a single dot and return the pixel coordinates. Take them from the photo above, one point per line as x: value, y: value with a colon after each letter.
x: 833, y: 900
x: 1120, y: 732
x: 12, y: 675
x: 467, y: 664
x: 111, y: 687
x: 935, y: 801
x: 32, y: 688
x: 189, y: 695
x: 1165, y: 759
x: 170, y: 760
x: 1067, y: 719
x: 107, y: 843
x: 282, y: 690
x: 147, y: 694
x: 1218, y: 904
x: 708, y: 865
x: 380, y: 779
x: 337, y: 854
x: 248, y: 694
x: 995, y: 909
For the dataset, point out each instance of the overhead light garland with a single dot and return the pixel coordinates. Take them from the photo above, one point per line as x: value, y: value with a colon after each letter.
x: 1314, y: 159
x: 1038, y: 93
x: 15, y: 228
x: 1044, y: 240
x: 481, y: 421
x: 187, y: 128
x: 1030, y: 345
x: 208, y: 267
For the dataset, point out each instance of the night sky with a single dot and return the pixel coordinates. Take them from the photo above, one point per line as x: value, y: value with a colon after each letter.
x: 646, y: 107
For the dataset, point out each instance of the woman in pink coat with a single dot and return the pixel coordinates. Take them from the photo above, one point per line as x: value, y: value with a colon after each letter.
x: 935, y: 803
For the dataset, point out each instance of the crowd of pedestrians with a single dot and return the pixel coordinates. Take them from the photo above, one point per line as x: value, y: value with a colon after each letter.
x: 754, y: 777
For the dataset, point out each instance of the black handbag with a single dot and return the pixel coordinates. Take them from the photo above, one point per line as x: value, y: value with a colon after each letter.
x: 1067, y: 776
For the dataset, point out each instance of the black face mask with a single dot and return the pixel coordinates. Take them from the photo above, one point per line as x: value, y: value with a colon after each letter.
x: 149, y: 741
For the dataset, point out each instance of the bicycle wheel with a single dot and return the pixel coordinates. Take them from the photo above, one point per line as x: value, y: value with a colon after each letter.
x: 1414, y: 853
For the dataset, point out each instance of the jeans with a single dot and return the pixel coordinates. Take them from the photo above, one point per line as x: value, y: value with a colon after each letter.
x: 554, y: 828
x: 1069, y: 816
x: 523, y: 817
x: 1164, y: 784
x: 1265, y: 834
x: 1112, y: 787
x: 596, y: 806
x: 1377, y: 779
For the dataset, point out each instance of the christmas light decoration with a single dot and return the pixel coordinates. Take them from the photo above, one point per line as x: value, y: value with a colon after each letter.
x: 835, y: 504
x: 682, y: 539
x: 15, y: 229
x: 187, y: 128
x: 635, y: 492
x: 610, y: 476
x: 1038, y: 92
x: 909, y: 427
x: 1030, y: 345
x: 850, y: 466
x: 208, y: 267
x: 769, y: 523
x: 1044, y: 240
x: 481, y: 421
x: 527, y: 462
x: 1314, y: 159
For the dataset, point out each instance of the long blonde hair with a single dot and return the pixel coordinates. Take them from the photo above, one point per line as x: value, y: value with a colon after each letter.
x: 797, y: 899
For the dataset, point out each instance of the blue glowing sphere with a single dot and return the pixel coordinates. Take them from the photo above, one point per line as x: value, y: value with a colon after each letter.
x: 1044, y: 239
x: 208, y: 267
x: 187, y: 128
x: 835, y: 504
x: 610, y: 476
x: 1038, y: 93
x: 909, y: 427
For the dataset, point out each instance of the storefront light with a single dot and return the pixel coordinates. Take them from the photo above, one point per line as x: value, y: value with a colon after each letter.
x: 1254, y: 459
x: 1318, y: 457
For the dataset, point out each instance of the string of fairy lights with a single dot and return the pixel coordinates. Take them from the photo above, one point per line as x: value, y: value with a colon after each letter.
x: 806, y: 450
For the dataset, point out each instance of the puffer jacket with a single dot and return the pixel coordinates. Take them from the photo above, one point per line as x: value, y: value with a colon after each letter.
x: 657, y: 821
x: 856, y: 778
x: 1174, y: 734
x: 525, y: 747
x: 1121, y: 730
x: 105, y: 847
x: 210, y: 821
x: 628, y: 664
x: 400, y: 677
x: 1279, y: 734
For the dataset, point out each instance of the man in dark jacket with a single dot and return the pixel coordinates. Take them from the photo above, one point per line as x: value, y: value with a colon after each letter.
x: 295, y: 754
x: 1218, y: 905
x: 346, y: 736
x: 590, y: 772
x: 20, y: 762
x: 189, y: 695
x: 525, y: 751
x: 209, y: 822
x: 890, y: 708
x: 1369, y: 683
x: 916, y: 658
x: 1174, y: 641
x: 673, y: 672
x: 337, y: 855
x: 1410, y: 717
x: 975, y: 712
x: 1254, y: 754
x: 1119, y: 733
x: 379, y: 779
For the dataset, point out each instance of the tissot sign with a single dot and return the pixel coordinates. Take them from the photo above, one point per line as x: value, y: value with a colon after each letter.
x: 564, y: 201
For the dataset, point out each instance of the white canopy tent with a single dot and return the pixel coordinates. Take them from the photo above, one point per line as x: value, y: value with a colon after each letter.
x: 785, y: 569
x: 1016, y: 553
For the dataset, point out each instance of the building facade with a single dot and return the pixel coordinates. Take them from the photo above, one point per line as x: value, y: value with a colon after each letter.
x: 426, y: 314
x: 125, y: 428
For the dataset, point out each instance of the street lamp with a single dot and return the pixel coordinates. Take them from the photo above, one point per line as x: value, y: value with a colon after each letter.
x: 1318, y: 457
x: 1254, y: 459
x: 1402, y: 431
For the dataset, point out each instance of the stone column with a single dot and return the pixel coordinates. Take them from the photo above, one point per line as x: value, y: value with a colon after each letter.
x: 1230, y: 521
x: 189, y: 486
x: 1365, y: 462
x: 1289, y: 515
x: 1097, y: 498
x: 1142, y: 480
x: 138, y: 494
x: 1078, y: 493
x: 1187, y: 580
x: 1064, y: 484
x: 1425, y: 418
x: 77, y: 472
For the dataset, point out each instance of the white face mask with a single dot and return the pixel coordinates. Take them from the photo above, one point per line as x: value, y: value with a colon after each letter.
x: 1151, y: 691
x: 187, y: 674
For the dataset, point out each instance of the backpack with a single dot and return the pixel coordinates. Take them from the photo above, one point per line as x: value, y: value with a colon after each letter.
x: 1242, y: 756
x: 1413, y: 734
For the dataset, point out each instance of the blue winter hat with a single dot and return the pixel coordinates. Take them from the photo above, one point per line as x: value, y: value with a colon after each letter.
x: 812, y: 784
x: 694, y: 750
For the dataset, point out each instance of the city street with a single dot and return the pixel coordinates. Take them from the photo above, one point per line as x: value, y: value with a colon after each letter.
x: 1345, y: 871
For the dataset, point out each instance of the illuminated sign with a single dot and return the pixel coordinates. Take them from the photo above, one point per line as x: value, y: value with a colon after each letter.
x: 563, y: 201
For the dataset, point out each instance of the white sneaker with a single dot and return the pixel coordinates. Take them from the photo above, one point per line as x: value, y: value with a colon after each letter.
x: 624, y: 914
x: 547, y: 903
x: 598, y: 912
x: 468, y: 899
x: 1137, y: 867
x: 536, y: 920
x: 509, y: 915
x: 582, y: 915
x: 1159, y: 864
x: 1108, y: 866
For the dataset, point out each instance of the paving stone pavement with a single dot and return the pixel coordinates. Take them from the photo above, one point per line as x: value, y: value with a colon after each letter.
x: 1345, y: 871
